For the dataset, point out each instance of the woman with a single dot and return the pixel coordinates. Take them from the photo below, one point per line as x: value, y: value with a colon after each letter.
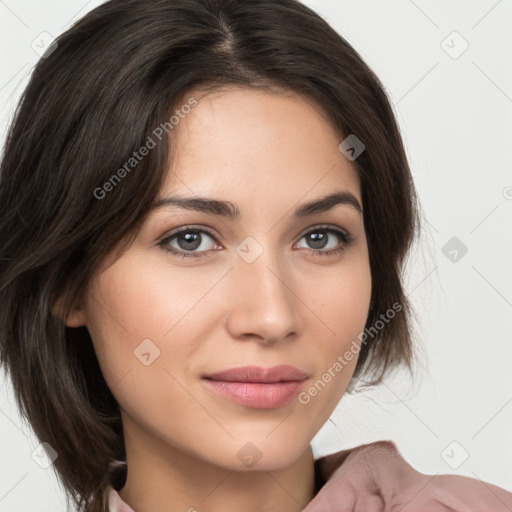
x: 205, y: 209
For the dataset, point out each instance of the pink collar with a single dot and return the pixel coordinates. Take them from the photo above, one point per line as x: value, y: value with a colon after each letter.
x: 115, y: 503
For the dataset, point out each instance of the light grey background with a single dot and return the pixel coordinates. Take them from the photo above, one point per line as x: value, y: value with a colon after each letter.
x: 454, y: 108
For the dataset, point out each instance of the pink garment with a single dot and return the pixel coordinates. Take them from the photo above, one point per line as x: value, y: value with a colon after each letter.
x: 116, y: 504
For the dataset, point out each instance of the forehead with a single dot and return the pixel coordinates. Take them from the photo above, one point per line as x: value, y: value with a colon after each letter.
x: 258, y: 143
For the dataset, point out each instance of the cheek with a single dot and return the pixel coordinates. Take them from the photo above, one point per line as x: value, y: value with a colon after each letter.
x: 129, y: 314
x: 342, y: 304
x: 146, y: 299
x: 341, y: 301
x: 133, y: 300
x: 140, y: 313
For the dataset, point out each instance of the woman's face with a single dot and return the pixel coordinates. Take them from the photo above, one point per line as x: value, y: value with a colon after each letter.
x: 262, y: 290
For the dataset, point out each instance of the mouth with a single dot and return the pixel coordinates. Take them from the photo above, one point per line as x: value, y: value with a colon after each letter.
x: 257, y: 387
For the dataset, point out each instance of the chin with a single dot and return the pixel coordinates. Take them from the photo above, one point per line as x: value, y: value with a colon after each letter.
x: 261, y: 454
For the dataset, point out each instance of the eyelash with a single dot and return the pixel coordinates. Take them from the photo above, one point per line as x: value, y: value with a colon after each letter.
x: 345, y: 237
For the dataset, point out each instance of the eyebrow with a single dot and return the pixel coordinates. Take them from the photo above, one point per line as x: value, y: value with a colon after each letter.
x: 233, y: 212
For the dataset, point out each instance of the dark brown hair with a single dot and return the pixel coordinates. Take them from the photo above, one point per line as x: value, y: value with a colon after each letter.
x: 112, y: 79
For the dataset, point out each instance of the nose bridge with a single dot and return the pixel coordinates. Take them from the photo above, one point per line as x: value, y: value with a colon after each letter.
x: 263, y: 303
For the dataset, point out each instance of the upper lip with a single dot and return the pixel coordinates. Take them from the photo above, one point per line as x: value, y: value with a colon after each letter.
x: 282, y: 373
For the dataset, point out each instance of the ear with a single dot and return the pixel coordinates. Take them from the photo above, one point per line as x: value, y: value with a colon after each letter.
x: 75, y: 317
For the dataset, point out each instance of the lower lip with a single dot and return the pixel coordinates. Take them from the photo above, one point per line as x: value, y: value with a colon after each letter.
x: 257, y: 395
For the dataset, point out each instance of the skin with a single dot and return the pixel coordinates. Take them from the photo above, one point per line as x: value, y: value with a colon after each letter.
x: 267, y: 153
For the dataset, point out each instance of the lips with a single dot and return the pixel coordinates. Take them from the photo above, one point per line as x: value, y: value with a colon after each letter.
x: 257, y: 387
x: 283, y: 373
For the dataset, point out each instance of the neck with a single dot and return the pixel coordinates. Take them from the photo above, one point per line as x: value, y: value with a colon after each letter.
x: 168, y: 479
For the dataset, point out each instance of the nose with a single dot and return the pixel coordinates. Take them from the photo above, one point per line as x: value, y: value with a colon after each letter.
x: 263, y: 304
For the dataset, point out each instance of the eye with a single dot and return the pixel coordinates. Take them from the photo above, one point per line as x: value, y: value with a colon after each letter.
x: 322, y: 238
x: 187, y: 240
